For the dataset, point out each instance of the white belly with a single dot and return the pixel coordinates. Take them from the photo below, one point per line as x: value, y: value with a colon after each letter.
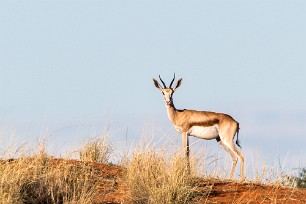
x: 207, y: 133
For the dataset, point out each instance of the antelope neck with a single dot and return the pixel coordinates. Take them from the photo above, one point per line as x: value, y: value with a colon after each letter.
x: 171, y: 111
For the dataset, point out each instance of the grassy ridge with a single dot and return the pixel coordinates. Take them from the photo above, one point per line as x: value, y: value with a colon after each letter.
x: 149, y: 175
x: 39, y: 179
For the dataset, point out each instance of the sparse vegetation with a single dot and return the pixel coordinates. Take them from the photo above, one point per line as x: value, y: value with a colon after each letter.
x: 153, y: 177
x: 41, y: 179
x: 97, y: 149
x: 300, y: 180
x: 148, y: 175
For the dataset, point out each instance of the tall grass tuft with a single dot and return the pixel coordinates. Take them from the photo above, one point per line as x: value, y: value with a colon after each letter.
x: 154, y: 177
x: 97, y: 149
x: 41, y: 179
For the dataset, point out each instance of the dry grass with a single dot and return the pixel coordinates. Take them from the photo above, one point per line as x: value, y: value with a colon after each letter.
x: 153, y: 176
x: 38, y: 178
x: 149, y: 175
x: 97, y: 149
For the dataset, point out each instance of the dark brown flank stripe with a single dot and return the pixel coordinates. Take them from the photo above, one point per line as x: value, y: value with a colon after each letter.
x: 205, y: 123
x: 199, y: 118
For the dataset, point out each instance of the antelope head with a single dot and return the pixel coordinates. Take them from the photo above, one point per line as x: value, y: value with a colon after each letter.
x: 167, y: 91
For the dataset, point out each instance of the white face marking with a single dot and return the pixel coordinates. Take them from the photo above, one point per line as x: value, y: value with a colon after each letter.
x: 207, y: 133
x: 167, y: 95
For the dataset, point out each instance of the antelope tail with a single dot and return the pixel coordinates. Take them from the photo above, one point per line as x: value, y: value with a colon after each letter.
x: 237, y: 140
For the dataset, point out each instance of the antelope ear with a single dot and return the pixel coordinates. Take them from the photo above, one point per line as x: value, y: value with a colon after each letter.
x: 178, y: 84
x: 157, y: 85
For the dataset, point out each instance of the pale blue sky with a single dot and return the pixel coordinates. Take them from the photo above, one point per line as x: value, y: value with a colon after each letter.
x: 67, y: 65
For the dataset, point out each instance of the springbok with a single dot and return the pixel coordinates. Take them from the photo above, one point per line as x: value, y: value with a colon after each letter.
x: 204, y: 125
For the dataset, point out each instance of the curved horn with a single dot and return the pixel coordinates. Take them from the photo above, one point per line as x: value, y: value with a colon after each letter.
x: 162, y: 82
x: 172, y: 81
